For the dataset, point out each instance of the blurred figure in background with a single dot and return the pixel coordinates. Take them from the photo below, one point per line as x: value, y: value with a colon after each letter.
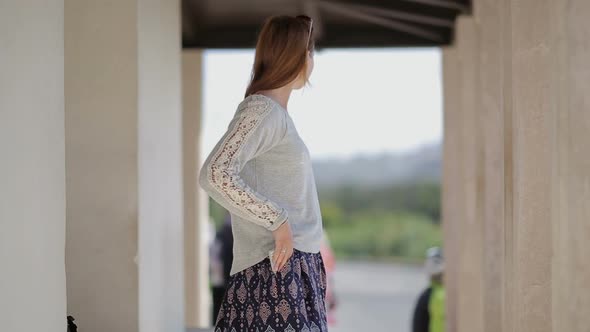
x: 330, y: 264
x: 220, y: 259
x: 429, y: 313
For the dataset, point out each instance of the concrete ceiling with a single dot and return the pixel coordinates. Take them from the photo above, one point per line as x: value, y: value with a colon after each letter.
x: 337, y: 23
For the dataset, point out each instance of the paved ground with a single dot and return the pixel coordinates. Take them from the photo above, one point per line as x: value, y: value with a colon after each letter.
x: 376, y: 296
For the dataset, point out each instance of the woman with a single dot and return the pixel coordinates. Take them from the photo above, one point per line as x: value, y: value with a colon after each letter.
x: 260, y: 171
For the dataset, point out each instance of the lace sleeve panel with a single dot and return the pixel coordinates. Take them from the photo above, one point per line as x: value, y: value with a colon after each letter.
x: 252, y: 132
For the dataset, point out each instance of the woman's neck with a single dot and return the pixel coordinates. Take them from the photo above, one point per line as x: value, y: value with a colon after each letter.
x: 280, y: 95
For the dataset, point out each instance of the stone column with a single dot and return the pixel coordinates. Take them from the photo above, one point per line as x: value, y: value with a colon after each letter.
x: 32, y: 167
x: 463, y: 219
x: 492, y: 22
x: 196, y: 207
x: 530, y: 92
x: 570, y: 269
x: 451, y: 191
x: 533, y: 91
x: 124, y: 252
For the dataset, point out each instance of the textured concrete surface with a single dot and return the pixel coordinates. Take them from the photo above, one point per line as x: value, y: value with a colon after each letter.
x: 517, y: 119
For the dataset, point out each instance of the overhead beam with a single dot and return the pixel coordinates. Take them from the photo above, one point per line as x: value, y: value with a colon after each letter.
x: 401, y: 15
x: 450, y: 4
x: 393, y: 24
x: 239, y: 36
x: 310, y: 8
x: 188, y: 20
x: 412, y: 7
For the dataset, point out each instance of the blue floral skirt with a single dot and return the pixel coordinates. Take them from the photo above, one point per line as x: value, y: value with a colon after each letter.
x: 292, y: 299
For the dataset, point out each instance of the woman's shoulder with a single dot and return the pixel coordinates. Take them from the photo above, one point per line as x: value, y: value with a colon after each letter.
x: 259, y: 107
x: 255, y: 104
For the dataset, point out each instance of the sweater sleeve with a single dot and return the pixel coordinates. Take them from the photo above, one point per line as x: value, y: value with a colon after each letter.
x: 253, y: 131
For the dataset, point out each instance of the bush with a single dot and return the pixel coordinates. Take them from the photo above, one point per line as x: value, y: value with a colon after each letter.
x: 378, y: 235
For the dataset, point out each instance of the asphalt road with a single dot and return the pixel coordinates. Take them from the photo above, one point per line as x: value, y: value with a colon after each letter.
x: 375, y: 296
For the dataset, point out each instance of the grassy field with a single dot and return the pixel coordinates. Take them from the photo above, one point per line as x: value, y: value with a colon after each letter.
x: 397, y: 236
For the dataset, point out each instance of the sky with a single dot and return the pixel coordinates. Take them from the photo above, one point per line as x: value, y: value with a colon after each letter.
x: 360, y: 102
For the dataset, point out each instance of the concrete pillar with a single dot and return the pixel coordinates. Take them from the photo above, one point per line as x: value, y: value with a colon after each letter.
x: 465, y: 215
x: 124, y: 253
x: 32, y: 167
x: 529, y: 91
x: 451, y: 182
x: 491, y: 21
x: 196, y: 207
x: 509, y: 313
x: 533, y: 90
x: 161, y: 227
x: 571, y: 167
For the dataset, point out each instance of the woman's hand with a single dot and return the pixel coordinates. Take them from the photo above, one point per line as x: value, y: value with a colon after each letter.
x: 283, y: 245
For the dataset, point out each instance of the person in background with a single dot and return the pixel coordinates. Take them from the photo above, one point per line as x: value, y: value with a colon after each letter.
x: 220, y: 263
x: 330, y: 264
x: 429, y: 313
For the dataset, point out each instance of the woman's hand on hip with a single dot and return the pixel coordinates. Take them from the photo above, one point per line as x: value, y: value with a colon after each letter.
x: 283, y: 245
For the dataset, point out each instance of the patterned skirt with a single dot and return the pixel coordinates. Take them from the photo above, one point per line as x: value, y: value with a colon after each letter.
x: 291, y: 300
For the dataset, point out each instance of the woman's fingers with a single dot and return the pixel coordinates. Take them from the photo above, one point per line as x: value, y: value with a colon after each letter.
x: 281, y: 260
x: 277, y: 258
x: 283, y: 241
x: 287, y: 256
x: 284, y: 258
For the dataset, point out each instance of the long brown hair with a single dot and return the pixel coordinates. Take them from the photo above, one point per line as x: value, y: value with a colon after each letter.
x: 281, y: 52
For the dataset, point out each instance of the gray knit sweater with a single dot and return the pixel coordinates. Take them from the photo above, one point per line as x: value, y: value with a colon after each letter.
x: 260, y: 171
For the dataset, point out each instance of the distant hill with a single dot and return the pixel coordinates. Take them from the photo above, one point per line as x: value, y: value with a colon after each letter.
x: 380, y: 170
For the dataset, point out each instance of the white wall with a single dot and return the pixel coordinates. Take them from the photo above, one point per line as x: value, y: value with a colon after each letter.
x: 32, y: 185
